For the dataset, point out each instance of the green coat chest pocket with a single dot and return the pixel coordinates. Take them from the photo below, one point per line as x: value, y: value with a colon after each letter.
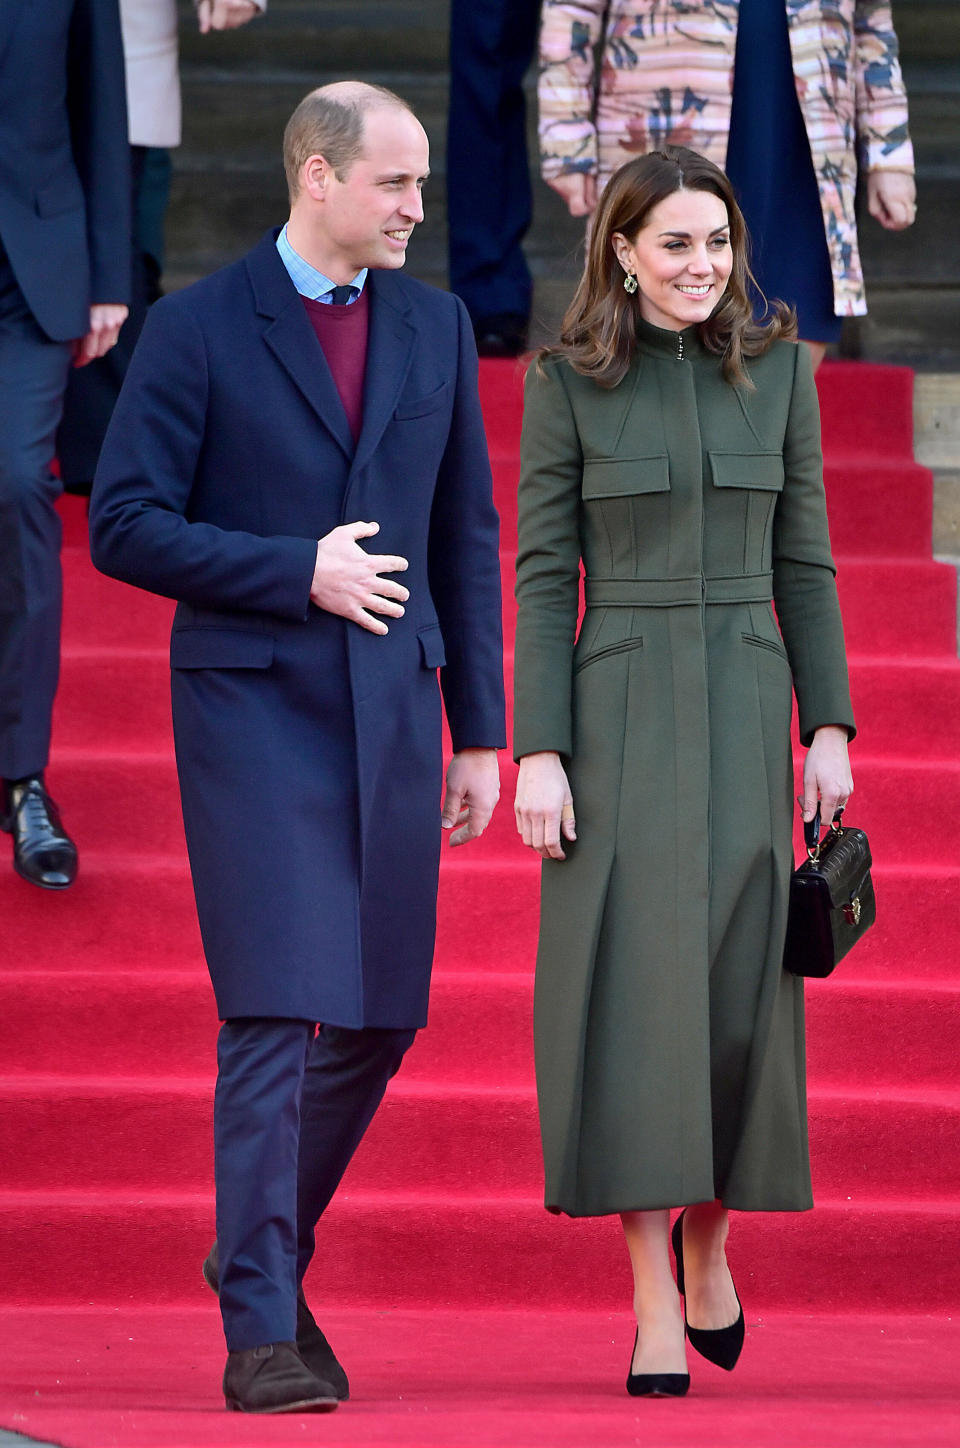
x: 624, y: 477
x: 761, y: 471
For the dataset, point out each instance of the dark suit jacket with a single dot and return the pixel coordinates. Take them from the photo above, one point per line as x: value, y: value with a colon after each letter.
x: 64, y: 158
x: 309, y: 748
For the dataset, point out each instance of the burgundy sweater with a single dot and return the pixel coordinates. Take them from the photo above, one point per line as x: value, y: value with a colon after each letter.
x: 342, y: 333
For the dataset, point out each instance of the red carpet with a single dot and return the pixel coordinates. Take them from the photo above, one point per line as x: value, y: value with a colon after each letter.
x: 105, y: 1084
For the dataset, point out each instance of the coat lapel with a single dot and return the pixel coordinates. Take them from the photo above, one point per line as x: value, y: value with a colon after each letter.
x: 292, y: 340
x: 389, y: 350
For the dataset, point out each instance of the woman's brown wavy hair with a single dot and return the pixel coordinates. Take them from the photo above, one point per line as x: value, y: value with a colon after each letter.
x: 599, y: 332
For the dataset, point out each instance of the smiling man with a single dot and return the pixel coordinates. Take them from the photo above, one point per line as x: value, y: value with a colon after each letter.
x: 276, y: 417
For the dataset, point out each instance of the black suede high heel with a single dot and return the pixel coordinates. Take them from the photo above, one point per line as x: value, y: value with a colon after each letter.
x: 719, y: 1345
x: 655, y: 1385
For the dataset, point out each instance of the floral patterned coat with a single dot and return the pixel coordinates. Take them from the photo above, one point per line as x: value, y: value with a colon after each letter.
x: 666, y: 77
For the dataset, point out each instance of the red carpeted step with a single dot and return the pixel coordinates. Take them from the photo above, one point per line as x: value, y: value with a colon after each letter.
x: 117, y: 699
x: 859, y: 1033
x: 118, y: 805
x: 864, y: 408
x: 99, y: 613
x: 142, y: 1378
x: 157, y: 1133
x: 876, y: 506
x: 886, y: 602
x: 910, y: 704
x: 119, y: 911
x: 857, y: 1253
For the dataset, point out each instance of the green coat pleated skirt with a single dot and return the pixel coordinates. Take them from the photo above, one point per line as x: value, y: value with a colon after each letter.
x: 669, y: 1040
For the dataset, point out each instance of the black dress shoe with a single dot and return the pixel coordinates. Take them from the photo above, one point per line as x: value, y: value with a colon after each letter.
x: 43, y: 852
x: 312, y: 1346
x: 274, y: 1379
x: 655, y: 1385
x: 504, y: 335
x: 719, y: 1345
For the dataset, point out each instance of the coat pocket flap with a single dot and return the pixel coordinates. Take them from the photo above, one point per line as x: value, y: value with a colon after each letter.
x: 747, y: 470
x: 220, y: 648
x: 622, y: 477
x: 431, y: 646
x: 422, y: 406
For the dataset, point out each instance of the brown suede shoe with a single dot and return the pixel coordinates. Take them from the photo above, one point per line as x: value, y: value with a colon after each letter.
x: 312, y: 1346
x: 274, y: 1379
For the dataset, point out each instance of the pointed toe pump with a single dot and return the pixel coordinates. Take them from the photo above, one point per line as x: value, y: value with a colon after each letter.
x: 719, y: 1345
x: 655, y: 1385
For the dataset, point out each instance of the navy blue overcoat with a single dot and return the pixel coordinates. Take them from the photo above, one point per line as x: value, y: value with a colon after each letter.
x: 309, y: 749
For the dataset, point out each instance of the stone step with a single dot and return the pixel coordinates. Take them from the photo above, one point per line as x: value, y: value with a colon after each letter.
x: 298, y: 34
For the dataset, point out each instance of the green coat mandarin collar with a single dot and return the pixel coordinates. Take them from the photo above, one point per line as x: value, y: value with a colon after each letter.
x: 665, y: 342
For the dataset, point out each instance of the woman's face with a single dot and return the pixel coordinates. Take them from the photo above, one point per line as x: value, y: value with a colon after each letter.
x: 681, y: 259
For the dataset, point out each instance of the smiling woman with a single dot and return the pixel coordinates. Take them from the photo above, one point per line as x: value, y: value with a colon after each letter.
x: 671, y: 447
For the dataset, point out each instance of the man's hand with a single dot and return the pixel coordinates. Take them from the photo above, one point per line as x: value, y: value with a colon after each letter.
x: 225, y: 14
x: 106, y: 319
x: 826, y: 774
x: 892, y: 198
x: 473, y: 788
x: 578, y: 190
x: 544, y: 805
x: 346, y: 580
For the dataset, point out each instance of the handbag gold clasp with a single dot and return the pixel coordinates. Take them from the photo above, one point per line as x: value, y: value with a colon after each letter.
x: 852, y: 911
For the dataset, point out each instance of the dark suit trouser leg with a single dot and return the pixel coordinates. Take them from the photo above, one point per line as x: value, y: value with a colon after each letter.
x: 489, y: 202
x: 33, y: 377
x: 279, y: 1137
x: 346, y: 1075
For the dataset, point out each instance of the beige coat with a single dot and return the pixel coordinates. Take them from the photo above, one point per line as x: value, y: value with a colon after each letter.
x: 666, y: 77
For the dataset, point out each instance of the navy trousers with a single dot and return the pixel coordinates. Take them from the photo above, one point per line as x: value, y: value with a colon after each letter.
x: 292, y: 1104
x: 489, y: 200
x: 33, y: 379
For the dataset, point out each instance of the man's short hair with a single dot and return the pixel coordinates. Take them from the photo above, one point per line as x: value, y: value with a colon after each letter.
x: 329, y: 122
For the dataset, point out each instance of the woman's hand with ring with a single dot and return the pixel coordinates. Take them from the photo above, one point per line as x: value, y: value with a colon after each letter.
x: 544, y: 805
x: 826, y: 774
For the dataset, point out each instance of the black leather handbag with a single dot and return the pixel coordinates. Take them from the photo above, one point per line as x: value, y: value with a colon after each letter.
x: 831, y: 898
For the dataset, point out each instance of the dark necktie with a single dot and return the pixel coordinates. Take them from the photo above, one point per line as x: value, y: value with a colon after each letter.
x: 340, y: 296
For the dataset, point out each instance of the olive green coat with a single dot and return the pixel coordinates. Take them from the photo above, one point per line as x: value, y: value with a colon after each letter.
x: 669, y: 1041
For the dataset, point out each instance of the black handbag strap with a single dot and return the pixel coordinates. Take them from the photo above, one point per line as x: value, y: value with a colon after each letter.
x: 811, y: 830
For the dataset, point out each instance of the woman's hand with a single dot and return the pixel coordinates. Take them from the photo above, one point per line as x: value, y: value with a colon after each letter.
x: 544, y: 805
x: 579, y: 191
x: 826, y: 774
x: 892, y: 198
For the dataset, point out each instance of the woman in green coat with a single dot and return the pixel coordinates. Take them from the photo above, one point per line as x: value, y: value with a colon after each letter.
x: 672, y: 446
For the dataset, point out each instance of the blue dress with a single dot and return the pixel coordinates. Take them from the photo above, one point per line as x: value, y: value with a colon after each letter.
x: 771, y: 169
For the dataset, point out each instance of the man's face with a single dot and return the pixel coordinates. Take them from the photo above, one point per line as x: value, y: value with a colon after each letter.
x: 368, y: 217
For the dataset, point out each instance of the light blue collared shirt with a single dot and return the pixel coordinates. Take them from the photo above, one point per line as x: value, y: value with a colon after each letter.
x: 308, y: 281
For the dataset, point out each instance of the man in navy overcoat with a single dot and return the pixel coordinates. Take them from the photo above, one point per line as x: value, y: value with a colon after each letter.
x: 64, y: 285
x: 248, y: 474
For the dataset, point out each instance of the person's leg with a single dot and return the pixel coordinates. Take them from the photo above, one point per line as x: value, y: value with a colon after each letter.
x: 256, y: 1143
x: 346, y: 1075
x: 656, y: 1302
x: 489, y: 202
x: 817, y: 350
x: 33, y: 376
x: 711, y: 1299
